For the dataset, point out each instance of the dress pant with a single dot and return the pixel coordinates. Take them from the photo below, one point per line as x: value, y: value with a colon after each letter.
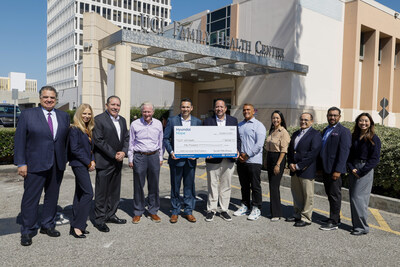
x: 219, y: 177
x: 146, y: 165
x: 249, y: 177
x: 360, y: 192
x: 82, y: 198
x: 333, y: 189
x: 275, y: 182
x: 185, y: 173
x: 107, y: 193
x: 303, y: 197
x: 34, y: 183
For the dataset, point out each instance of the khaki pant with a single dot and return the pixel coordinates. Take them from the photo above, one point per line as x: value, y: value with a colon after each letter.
x: 303, y: 197
x: 219, y: 178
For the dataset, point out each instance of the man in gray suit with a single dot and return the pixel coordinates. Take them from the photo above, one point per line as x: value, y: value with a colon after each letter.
x: 111, y: 139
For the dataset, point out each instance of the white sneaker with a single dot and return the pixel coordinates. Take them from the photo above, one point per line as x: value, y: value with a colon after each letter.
x: 255, y: 214
x: 241, y: 211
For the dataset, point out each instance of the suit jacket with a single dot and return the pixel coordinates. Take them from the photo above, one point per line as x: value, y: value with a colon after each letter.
x: 230, y: 121
x: 80, y: 148
x: 336, y: 150
x: 106, y: 141
x: 306, y: 153
x: 34, y: 145
x: 169, y: 139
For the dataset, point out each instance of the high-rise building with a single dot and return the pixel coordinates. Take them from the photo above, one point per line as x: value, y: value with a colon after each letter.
x: 65, y: 31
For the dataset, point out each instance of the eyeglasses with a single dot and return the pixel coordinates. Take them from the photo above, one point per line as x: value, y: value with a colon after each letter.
x: 304, y: 120
x: 333, y: 115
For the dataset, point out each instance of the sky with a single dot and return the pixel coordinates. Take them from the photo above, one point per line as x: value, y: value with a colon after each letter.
x: 23, y: 32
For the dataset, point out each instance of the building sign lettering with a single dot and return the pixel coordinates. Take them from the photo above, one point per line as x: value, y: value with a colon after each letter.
x: 185, y: 33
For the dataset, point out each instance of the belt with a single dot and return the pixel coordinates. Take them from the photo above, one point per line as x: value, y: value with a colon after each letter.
x: 146, y: 153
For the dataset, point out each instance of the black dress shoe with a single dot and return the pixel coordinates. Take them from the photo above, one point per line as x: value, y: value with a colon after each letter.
x: 86, y: 232
x: 116, y: 220
x: 102, y: 227
x: 26, y: 240
x: 301, y: 223
x: 358, y: 233
x: 50, y: 232
x: 74, y: 234
x: 292, y: 219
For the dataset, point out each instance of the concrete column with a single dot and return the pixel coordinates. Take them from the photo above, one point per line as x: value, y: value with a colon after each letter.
x: 368, y: 97
x: 123, y: 79
x: 351, y: 48
x: 385, y: 82
x: 396, y: 86
x: 94, y: 63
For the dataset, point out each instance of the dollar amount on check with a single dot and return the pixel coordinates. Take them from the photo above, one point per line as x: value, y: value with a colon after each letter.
x: 205, y: 141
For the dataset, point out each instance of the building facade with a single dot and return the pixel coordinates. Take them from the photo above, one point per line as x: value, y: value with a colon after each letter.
x: 371, y: 67
x: 27, y: 90
x: 287, y: 29
x: 65, y: 35
x: 351, y: 47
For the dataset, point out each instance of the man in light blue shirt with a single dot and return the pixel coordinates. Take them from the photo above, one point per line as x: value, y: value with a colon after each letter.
x: 252, y: 135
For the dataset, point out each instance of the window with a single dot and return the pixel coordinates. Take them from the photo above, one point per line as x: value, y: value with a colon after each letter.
x: 380, y: 52
x: 362, y: 46
x: 218, y: 25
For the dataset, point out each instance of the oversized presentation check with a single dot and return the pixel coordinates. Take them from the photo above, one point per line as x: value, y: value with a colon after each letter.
x: 205, y: 141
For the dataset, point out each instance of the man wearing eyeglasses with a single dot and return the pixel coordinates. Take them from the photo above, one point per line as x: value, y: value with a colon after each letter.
x: 336, y: 142
x: 303, y: 151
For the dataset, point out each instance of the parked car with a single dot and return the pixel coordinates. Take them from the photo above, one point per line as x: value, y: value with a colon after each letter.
x: 7, y: 115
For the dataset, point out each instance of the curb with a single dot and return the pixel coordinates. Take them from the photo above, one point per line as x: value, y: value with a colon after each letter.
x: 376, y: 201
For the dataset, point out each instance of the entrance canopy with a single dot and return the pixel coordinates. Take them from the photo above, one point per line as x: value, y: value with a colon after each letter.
x: 185, y: 60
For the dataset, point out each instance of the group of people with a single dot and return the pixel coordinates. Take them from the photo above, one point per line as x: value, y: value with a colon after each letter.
x: 334, y: 152
x: 45, y: 141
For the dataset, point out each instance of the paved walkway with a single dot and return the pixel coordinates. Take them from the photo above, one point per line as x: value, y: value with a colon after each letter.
x: 237, y: 243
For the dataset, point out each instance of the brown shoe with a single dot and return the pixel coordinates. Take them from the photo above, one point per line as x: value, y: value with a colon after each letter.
x: 155, y: 218
x: 190, y: 218
x: 174, y: 219
x: 136, y: 219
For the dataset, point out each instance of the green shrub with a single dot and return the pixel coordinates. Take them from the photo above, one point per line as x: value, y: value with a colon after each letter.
x: 387, y: 173
x: 6, y: 145
x: 71, y: 113
x: 159, y: 113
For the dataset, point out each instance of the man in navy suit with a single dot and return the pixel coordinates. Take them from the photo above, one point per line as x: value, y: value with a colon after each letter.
x: 303, y: 151
x: 40, y: 152
x: 111, y: 142
x: 181, y: 168
x: 336, y: 143
x: 220, y: 170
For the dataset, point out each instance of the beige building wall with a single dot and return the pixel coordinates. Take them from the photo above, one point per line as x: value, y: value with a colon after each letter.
x: 368, y: 79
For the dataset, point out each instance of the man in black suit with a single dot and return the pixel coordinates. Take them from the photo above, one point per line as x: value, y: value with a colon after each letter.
x: 181, y: 168
x: 336, y: 143
x: 220, y: 170
x: 111, y: 141
x: 303, y: 151
x: 40, y: 153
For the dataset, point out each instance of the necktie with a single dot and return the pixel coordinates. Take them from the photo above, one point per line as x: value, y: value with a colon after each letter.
x: 50, y: 122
